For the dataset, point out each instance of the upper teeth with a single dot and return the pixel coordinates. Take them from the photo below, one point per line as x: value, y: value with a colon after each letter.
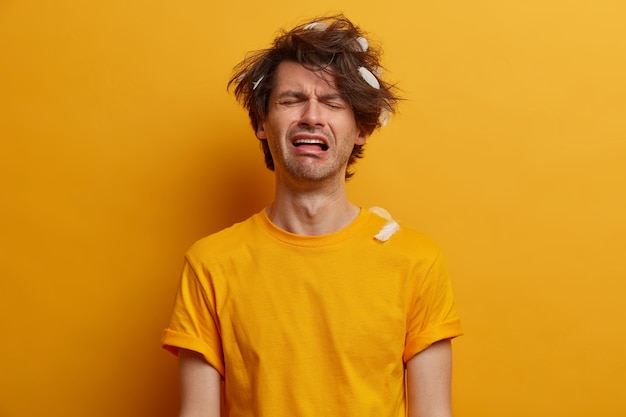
x: 309, y: 141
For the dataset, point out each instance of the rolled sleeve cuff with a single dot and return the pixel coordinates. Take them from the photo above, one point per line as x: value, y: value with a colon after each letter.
x: 173, y: 341
x: 417, y: 343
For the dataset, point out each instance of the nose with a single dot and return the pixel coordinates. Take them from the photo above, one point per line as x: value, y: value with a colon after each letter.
x: 312, y: 114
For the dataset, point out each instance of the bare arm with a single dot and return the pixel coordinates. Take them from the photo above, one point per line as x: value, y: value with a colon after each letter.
x: 199, y: 386
x: 428, y: 381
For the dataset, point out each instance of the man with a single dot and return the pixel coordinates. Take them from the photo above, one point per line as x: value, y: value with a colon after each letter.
x: 314, y: 307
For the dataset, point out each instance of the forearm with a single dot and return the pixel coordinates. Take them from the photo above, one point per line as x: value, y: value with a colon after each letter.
x: 429, y: 381
x: 199, y: 386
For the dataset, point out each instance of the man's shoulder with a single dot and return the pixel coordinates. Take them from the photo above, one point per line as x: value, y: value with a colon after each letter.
x: 226, y: 239
x: 402, y: 238
x: 415, y: 244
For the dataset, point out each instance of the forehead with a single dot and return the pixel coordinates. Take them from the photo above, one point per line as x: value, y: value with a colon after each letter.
x: 294, y: 76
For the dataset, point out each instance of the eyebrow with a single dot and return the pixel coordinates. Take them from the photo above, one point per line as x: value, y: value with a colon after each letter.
x: 291, y: 94
x: 332, y: 96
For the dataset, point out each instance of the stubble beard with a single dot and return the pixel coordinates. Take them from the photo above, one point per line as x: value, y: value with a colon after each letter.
x: 311, y: 173
x: 303, y: 169
x: 309, y: 169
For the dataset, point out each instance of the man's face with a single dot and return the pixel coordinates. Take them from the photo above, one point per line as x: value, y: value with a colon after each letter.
x: 310, y: 129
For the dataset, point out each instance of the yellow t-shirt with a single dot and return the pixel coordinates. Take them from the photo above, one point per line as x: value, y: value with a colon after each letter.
x: 312, y: 325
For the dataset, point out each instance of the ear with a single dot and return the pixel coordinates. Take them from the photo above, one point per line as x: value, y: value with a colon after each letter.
x: 261, y: 134
x: 360, y: 139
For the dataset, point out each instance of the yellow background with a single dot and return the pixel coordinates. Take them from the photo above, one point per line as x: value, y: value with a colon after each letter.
x: 120, y: 147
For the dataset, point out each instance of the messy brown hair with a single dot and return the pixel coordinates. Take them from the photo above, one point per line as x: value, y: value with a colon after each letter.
x: 327, y: 44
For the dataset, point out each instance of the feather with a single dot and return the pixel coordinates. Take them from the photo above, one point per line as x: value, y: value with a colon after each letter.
x: 321, y: 26
x: 363, y: 45
x: 369, y: 77
x: 256, y: 83
x: 389, y: 228
x: 381, y: 212
x: 383, y: 119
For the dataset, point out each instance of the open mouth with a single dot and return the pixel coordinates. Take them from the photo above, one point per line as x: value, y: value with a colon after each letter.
x: 316, y: 143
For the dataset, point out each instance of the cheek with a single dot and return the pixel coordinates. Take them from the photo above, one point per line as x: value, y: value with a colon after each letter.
x: 280, y: 124
x: 354, y: 134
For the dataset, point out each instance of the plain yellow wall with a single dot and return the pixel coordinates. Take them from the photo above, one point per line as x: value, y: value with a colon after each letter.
x: 120, y: 147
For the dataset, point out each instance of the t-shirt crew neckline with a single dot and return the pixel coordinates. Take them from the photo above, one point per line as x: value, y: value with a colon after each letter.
x: 313, y: 241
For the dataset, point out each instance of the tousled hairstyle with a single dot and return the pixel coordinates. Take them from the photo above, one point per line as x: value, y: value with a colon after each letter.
x: 329, y: 44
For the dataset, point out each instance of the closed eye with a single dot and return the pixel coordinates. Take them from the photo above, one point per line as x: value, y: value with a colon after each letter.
x: 290, y: 102
x: 290, y: 98
x: 334, y: 101
x: 335, y: 105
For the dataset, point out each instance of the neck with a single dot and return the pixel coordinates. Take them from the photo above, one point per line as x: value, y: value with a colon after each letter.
x: 312, y: 212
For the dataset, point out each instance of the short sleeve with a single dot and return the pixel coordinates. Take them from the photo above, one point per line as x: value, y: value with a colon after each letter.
x: 194, y: 324
x: 432, y: 315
